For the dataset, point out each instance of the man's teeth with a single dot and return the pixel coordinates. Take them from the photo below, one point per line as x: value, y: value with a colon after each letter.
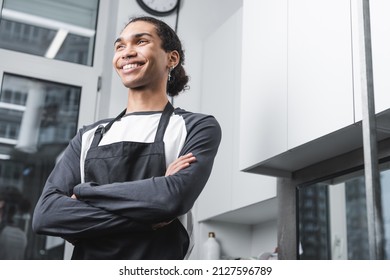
x: 130, y: 66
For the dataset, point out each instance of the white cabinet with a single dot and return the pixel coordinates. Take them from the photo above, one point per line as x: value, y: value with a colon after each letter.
x: 380, y: 44
x: 380, y: 40
x: 297, y: 78
x: 320, y: 81
x: 263, y: 123
x: 228, y: 188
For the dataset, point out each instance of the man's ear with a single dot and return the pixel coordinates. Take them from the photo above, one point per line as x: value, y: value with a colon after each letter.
x: 174, y: 58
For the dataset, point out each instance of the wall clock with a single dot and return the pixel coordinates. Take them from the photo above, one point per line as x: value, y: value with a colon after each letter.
x: 159, y: 7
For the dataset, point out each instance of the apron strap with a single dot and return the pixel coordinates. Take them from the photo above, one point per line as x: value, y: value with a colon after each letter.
x: 164, y: 120
x: 162, y: 125
x: 101, y: 130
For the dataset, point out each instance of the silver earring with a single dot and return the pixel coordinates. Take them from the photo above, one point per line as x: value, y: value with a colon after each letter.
x: 169, y: 73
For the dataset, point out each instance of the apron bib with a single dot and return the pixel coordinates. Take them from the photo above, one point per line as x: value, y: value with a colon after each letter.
x: 123, y: 162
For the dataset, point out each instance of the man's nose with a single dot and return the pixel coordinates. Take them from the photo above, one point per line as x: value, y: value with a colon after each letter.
x: 128, y: 52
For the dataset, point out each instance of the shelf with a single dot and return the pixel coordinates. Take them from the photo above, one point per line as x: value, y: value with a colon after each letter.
x: 329, y: 146
x: 250, y: 215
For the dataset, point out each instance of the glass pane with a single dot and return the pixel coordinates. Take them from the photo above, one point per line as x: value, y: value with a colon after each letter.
x: 333, y: 217
x: 59, y: 29
x: 385, y: 189
x: 314, y: 222
x: 37, y: 120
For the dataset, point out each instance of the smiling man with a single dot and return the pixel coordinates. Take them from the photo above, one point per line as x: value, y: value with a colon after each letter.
x: 125, y: 187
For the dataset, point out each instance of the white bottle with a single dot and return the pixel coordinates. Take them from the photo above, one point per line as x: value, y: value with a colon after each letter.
x: 211, y: 248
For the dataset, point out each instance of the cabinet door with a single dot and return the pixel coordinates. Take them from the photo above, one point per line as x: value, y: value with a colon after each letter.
x: 380, y: 44
x: 228, y: 188
x: 380, y: 40
x: 320, y: 87
x: 263, y: 117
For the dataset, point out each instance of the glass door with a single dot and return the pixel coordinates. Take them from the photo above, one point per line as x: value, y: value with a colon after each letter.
x: 48, y: 89
x: 333, y: 220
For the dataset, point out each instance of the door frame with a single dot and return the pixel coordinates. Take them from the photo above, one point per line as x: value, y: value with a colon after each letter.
x: 88, y: 78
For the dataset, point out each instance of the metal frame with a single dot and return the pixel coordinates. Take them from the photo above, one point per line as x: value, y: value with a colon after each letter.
x: 373, y: 200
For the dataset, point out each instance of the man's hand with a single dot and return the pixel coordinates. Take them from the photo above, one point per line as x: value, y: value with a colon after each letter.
x: 180, y: 163
x: 177, y: 165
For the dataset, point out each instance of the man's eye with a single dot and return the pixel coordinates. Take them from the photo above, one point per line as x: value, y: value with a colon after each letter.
x: 141, y: 41
x: 118, y: 47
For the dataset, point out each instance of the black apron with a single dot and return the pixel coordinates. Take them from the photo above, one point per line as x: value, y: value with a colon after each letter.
x: 131, y: 161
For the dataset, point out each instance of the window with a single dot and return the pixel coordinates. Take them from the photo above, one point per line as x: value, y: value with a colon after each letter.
x: 48, y: 89
x: 333, y: 217
x: 55, y: 29
x: 37, y: 120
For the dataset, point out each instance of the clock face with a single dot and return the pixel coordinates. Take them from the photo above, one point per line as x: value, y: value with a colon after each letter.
x: 158, y: 7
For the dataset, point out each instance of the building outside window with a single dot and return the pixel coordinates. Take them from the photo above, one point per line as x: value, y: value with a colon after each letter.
x: 333, y: 217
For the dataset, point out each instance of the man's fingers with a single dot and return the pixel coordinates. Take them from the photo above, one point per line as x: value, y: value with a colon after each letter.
x: 180, y: 163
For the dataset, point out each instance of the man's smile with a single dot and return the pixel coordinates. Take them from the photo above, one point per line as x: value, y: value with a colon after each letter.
x: 131, y: 66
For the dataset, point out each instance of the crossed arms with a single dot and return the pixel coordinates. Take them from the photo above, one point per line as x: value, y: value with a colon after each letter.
x: 73, y: 210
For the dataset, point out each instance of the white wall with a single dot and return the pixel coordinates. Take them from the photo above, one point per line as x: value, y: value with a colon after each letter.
x: 239, y: 240
x: 230, y: 237
x: 264, y: 238
x: 197, y: 19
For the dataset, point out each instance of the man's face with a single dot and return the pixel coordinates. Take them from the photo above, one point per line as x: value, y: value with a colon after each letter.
x: 139, y: 59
